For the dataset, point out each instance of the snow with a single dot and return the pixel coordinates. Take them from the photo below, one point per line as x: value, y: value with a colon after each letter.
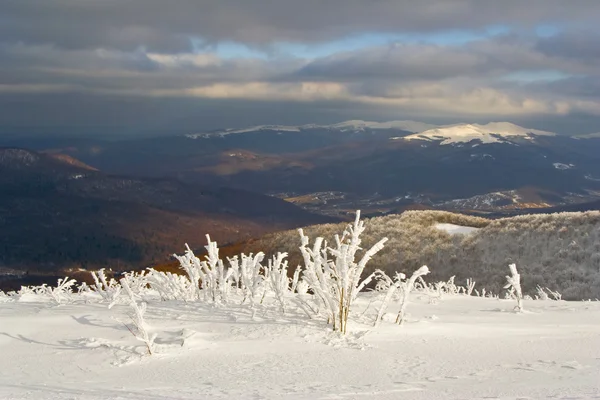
x: 352, y: 125
x: 276, y: 128
x: 409, y: 126
x: 456, y: 229
x: 460, y: 348
x: 494, y: 132
x: 563, y: 166
x: 588, y: 136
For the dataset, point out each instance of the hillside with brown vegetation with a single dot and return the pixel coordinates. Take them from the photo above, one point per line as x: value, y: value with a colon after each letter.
x: 560, y: 251
x: 57, y: 213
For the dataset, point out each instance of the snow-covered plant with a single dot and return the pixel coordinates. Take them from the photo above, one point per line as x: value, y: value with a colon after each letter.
x: 208, y: 278
x: 108, y: 289
x: 555, y: 295
x: 399, y: 283
x: 450, y: 287
x: 546, y: 294
x: 136, y: 281
x: 190, y: 287
x: 470, y: 286
x: 541, y: 295
x: 139, y: 328
x: 336, y: 282
x: 440, y: 289
x: 171, y: 286
x: 217, y: 279
x: 296, y: 279
x: 83, y: 288
x: 391, y: 287
x: 63, y: 290
x: 36, y: 290
x: 277, y: 271
x: 5, y: 297
x: 251, y: 275
x: 513, y: 284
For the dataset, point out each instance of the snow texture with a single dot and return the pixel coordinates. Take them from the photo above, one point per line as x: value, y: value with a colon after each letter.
x: 456, y: 229
x: 563, y: 166
x: 353, y: 125
x: 494, y: 132
x: 461, y: 348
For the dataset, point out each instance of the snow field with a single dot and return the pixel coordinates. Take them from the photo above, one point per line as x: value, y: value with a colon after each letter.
x: 461, y: 347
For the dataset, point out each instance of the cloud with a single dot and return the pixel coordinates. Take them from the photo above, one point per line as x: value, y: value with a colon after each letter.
x: 140, y: 52
x: 167, y: 27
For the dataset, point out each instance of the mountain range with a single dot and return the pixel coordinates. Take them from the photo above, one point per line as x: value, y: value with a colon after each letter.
x: 57, y: 212
x: 91, y: 202
x: 380, y: 167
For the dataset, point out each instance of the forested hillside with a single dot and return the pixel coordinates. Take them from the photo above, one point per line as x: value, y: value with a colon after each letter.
x: 559, y: 251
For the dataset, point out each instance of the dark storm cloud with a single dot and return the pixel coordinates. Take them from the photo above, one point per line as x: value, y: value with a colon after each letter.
x: 582, y: 46
x: 156, y: 65
x: 167, y: 25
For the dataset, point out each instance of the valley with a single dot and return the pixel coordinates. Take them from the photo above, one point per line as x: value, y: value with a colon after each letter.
x: 88, y: 203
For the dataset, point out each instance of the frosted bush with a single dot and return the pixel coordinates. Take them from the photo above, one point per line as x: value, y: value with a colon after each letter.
x: 139, y: 328
x: 399, y: 283
x: 251, y: 275
x: 277, y: 271
x: 547, y: 294
x: 108, y: 289
x: 171, y: 286
x: 470, y: 286
x: 513, y: 284
x: 208, y: 279
x: 336, y: 281
x: 5, y: 297
x: 63, y: 290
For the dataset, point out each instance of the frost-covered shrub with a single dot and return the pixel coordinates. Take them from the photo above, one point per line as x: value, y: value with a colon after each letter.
x: 59, y: 295
x: 251, y: 275
x: 470, y: 286
x: 137, y: 281
x: 513, y: 284
x: 208, y: 279
x: 171, y: 286
x: 547, y: 294
x: 5, y: 297
x: 277, y: 272
x: 334, y: 274
x: 63, y: 290
x: 399, y: 283
x: 139, y: 328
x: 108, y: 289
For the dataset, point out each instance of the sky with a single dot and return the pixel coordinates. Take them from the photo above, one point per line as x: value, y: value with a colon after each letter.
x: 131, y: 67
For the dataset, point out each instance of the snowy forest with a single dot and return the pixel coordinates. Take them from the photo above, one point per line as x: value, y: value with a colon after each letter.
x: 559, y: 251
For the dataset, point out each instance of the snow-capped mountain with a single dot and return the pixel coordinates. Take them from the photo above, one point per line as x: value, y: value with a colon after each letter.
x: 346, y: 126
x: 409, y: 126
x: 493, y: 132
x: 595, y: 135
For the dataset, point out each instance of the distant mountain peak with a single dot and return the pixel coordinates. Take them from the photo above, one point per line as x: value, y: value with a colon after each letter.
x: 12, y: 156
x: 409, y: 126
x: 588, y: 136
x: 493, y: 132
x: 66, y: 159
x: 351, y: 125
x: 24, y: 159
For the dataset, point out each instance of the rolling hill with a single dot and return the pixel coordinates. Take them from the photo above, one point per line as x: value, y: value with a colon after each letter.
x: 56, y: 213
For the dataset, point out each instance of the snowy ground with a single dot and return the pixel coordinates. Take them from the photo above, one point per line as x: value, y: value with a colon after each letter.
x: 460, y: 348
x: 455, y: 229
